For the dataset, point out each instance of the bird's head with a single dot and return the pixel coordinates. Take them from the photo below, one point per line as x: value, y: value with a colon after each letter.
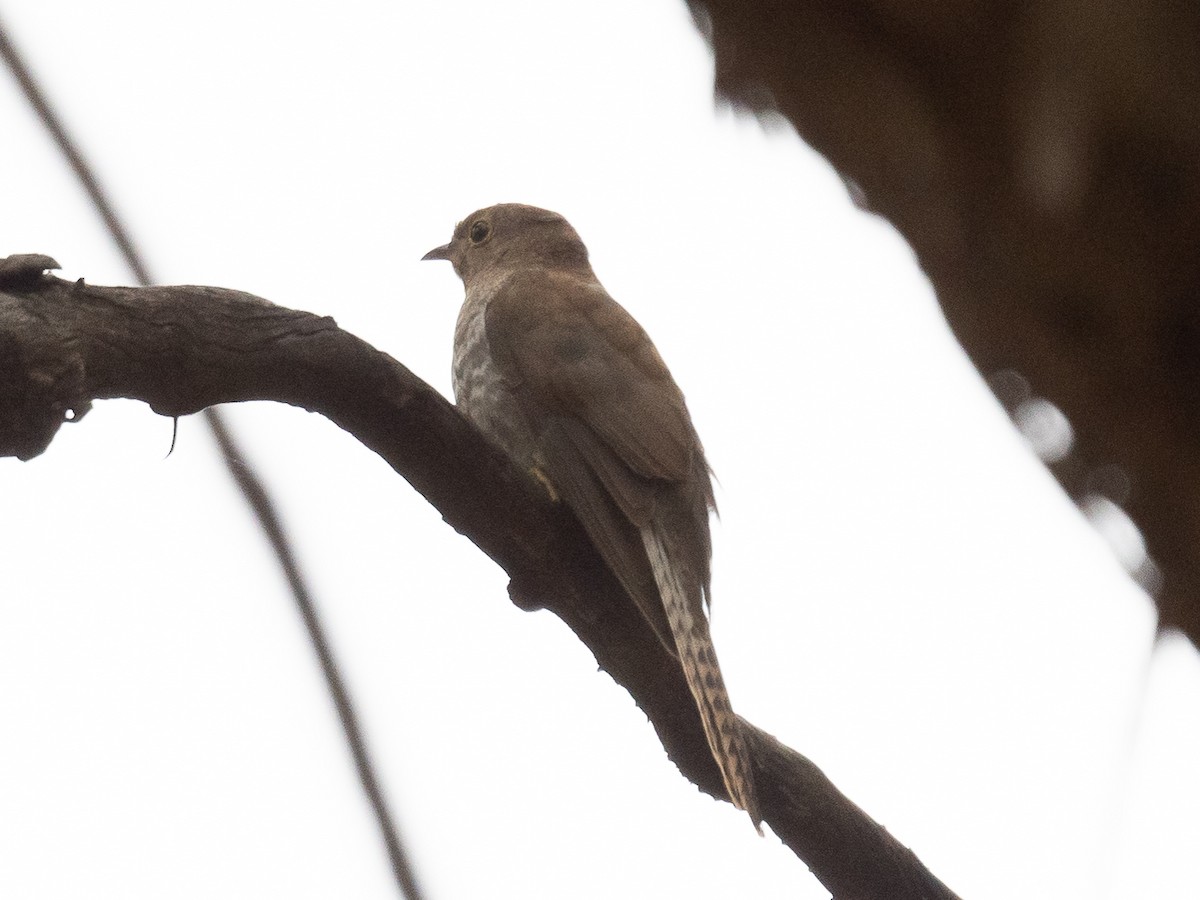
x: 511, y: 236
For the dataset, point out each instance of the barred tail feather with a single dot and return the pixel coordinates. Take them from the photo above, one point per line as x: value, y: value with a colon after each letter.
x: 698, y: 656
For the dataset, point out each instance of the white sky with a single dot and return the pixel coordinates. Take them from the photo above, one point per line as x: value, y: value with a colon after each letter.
x: 897, y: 579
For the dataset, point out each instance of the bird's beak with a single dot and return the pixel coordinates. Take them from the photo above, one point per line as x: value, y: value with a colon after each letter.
x: 442, y: 252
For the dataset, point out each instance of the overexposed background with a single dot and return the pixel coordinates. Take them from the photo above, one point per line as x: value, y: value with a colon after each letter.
x: 898, y: 581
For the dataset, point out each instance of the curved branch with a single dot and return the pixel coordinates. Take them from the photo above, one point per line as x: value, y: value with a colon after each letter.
x: 181, y: 349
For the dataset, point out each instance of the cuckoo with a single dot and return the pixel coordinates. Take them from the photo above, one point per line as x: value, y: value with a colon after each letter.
x: 557, y: 374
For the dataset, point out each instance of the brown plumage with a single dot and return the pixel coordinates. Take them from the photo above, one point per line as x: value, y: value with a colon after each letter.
x: 564, y: 380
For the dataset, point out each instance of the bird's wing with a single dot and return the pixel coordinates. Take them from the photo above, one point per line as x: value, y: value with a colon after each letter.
x: 603, y: 517
x: 613, y: 433
x: 577, y: 352
x: 615, y: 439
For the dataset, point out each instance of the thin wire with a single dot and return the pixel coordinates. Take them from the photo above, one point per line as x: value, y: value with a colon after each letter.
x: 51, y: 122
x: 243, y: 475
x: 255, y: 493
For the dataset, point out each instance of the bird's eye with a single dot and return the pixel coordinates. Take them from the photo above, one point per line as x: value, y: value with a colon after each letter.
x: 479, y: 231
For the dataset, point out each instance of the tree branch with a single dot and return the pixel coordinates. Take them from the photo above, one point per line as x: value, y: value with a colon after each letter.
x: 181, y: 349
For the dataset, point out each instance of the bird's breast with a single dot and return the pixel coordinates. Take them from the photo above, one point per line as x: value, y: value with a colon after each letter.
x: 480, y: 390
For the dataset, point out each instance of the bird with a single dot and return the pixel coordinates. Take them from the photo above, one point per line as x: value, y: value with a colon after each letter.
x: 558, y: 375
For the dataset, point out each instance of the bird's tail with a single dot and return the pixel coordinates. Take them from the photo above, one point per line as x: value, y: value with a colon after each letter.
x: 698, y: 656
